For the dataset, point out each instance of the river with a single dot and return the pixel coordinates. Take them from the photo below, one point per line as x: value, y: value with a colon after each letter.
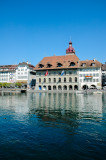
x: 54, y: 126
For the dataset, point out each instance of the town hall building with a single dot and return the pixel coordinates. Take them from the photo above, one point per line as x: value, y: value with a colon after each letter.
x: 67, y: 72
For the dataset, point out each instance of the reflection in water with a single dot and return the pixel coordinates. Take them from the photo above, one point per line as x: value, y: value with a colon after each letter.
x: 52, y: 126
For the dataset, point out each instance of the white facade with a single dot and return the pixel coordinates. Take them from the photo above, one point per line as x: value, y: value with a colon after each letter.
x: 7, y: 76
x: 22, y: 73
x: 89, y: 78
x: 15, y: 73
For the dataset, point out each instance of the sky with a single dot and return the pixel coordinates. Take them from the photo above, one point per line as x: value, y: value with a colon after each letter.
x: 33, y: 29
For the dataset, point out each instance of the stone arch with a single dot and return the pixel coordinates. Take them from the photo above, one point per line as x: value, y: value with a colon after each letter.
x: 84, y: 87
x: 49, y: 87
x: 70, y: 87
x: 54, y: 87
x: 75, y: 87
x: 93, y: 86
x: 40, y: 87
x: 59, y: 87
x: 65, y: 87
x: 44, y: 87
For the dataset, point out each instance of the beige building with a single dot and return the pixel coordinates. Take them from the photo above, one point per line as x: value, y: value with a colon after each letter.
x: 58, y: 72
x: 67, y: 72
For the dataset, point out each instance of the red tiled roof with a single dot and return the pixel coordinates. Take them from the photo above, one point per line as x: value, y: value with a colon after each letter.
x: 53, y: 60
x: 88, y: 64
x: 25, y: 63
x: 65, y: 61
x: 8, y: 66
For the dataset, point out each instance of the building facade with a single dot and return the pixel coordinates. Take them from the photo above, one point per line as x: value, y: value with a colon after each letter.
x: 23, y: 72
x: 8, y: 73
x: 17, y: 73
x: 67, y: 72
x: 104, y: 75
x: 89, y: 74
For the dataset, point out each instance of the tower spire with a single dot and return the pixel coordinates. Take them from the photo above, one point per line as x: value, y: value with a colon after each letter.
x: 70, y: 50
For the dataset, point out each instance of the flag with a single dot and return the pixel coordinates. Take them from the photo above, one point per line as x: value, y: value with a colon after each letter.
x: 62, y: 73
x: 46, y: 73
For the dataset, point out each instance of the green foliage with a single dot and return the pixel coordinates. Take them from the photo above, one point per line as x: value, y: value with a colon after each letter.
x: 18, y: 85
x: 1, y: 85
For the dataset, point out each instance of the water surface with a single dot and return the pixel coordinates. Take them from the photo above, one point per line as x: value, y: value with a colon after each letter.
x: 55, y: 126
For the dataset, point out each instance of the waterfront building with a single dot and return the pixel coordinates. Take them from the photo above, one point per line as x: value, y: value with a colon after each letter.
x: 58, y: 72
x: 8, y: 73
x: 104, y: 74
x: 67, y: 72
x: 18, y: 73
x: 89, y: 74
x: 23, y: 73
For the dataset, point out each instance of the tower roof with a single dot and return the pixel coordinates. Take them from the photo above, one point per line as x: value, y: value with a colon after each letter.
x: 70, y: 50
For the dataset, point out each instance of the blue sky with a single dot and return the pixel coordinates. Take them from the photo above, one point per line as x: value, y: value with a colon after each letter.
x: 31, y: 30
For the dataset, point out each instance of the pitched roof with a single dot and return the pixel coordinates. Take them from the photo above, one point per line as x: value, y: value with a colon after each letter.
x: 25, y: 63
x: 9, y: 67
x: 88, y: 64
x: 54, y: 60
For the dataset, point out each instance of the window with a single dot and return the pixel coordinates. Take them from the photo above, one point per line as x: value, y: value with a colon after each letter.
x: 97, y: 74
x: 59, y: 64
x: 70, y: 79
x: 49, y: 79
x: 49, y: 65
x: 44, y: 79
x: 92, y: 64
x: 41, y: 65
x: 64, y: 79
x: 72, y: 64
x: 83, y: 64
x: 54, y: 79
x: 75, y: 79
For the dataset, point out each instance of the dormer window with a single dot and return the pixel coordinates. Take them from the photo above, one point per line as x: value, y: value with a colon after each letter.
x: 59, y: 64
x: 72, y: 64
x: 41, y: 65
x: 83, y: 64
x: 92, y: 64
x: 49, y: 65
